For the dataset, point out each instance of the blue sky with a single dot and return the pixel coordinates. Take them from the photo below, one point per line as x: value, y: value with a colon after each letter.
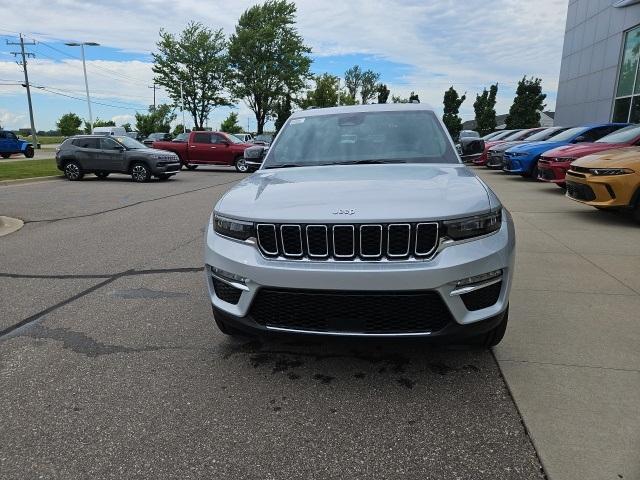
x: 422, y: 46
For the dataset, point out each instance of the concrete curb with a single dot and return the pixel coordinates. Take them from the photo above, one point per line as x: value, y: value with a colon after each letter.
x: 9, y: 225
x: 20, y: 181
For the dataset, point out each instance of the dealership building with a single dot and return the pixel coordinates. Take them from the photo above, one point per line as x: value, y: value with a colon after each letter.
x: 599, y: 78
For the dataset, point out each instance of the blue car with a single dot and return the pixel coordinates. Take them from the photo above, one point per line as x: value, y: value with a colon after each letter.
x: 523, y: 159
x: 10, y: 144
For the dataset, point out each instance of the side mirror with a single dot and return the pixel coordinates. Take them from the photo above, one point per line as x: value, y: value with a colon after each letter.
x: 255, y: 155
x: 471, y: 146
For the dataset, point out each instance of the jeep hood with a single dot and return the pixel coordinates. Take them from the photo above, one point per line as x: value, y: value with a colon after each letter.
x: 628, y: 157
x: 374, y: 193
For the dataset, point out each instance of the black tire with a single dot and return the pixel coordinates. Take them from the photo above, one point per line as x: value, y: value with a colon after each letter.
x: 140, y: 172
x: 29, y: 153
x: 493, y: 336
x: 102, y: 175
x: 563, y: 186
x: 5, y: 155
x: 635, y: 213
x: 241, y: 165
x: 73, y: 171
x: 163, y: 177
x: 190, y: 166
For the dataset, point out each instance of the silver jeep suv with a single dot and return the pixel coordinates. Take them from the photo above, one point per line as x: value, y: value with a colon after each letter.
x: 362, y: 221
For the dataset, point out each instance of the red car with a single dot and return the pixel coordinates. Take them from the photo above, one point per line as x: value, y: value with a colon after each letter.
x: 208, y: 148
x: 553, y: 164
x: 513, y: 136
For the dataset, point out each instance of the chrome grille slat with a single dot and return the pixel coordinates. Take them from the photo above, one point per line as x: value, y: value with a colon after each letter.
x: 344, y: 242
x: 353, y: 241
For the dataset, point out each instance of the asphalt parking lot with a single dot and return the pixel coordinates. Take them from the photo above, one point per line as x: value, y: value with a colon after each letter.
x: 111, y: 367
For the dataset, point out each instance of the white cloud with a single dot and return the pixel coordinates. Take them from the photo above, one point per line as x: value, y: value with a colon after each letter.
x: 122, y: 119
x: 10, y: 120
x: 467, y: 44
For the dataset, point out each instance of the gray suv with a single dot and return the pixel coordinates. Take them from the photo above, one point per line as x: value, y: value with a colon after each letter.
x: 102, y: 155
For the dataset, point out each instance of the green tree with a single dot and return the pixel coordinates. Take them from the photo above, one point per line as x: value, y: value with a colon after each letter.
x: 383, y: 93
x: 398, y: 99
x: 484, y: 106
x: 368, y: 86
x: 230, y: 124
x: 325, y: 93
x: 97, y: 123
x: 353, y: 81
x: 196, y: 61
x: 127, y: 127
x: 450, y: 118
x: 346, y: 98
x: 282, y: 112
x: 178, y: 129
x: 268, y: 57
x: 158, y: 119
x: 527, y: 104
x: 69, y: 124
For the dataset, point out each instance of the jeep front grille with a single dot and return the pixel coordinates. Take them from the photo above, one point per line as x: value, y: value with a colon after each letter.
x: 394, y: 241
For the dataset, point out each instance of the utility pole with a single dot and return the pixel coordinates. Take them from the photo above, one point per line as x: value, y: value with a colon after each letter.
x: 154, y: 94
x: 26, y: 55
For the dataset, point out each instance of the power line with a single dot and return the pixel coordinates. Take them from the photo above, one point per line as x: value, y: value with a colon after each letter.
x: 120, y: 107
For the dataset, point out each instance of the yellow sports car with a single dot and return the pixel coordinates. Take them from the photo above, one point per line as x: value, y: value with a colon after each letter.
x: 609, y: 179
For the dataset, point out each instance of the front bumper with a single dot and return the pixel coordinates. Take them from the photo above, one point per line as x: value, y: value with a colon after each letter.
x: 439, y: 274
x: 552, y: 172
x: 495, y: 160
x: 616, y: 191
x: 516, y: 165
x: 167, y: 168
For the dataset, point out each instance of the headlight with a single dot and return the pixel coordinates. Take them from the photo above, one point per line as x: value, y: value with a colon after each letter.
x: 518, y: 154
x: 610, y: 171
x: 238, y: 229
x: 473, y: 226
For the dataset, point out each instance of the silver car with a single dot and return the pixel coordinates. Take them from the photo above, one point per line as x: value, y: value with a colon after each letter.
x: 362, y: 221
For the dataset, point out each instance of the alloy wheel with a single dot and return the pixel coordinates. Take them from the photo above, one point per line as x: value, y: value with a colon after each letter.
x: 72, y: 171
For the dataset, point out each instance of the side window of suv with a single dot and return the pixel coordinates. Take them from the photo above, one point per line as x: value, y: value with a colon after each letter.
x: 87, y: 143
x: 202, y: 138
x: 218, y: 139
x: 108, y: 144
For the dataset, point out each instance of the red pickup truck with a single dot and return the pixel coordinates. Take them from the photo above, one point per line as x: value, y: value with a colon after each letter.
x: 208, y: 148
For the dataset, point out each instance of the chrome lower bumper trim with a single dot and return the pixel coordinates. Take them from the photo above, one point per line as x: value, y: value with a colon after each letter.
x: 350, y: 334
x: 476, y: 286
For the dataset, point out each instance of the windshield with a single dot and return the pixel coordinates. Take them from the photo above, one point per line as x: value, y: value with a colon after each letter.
x: 518, y: 135
x: 546, y: 134
x: 263, y: 138
x: 362, y: 137
x: 130, y: 143
x: 232, y: 138
x: 503, y: 135
x: 569, y: 134
x: 624, y: 135
x: 182, y: 137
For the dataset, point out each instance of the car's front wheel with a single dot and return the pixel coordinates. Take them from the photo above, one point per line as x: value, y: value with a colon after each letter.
x: 73, y: 171
x: 140, y: 173
x: 241, y: 165
x: 29, y: 153
x: 5, y: 155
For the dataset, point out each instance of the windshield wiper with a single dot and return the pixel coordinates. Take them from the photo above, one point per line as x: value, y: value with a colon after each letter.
x: 366, y: 162
x: 285, y: 165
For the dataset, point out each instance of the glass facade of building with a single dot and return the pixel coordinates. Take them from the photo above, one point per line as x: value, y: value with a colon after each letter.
x: 626, y: 106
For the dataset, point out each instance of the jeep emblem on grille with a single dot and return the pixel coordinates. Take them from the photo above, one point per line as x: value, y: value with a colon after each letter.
x: 344, y: 211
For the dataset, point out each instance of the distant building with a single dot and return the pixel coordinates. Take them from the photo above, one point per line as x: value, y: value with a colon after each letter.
x: 599, y: 78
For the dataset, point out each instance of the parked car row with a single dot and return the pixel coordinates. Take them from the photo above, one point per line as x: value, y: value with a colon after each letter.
x: 597, y: 164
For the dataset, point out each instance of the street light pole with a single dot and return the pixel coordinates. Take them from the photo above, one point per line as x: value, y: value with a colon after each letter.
x: 184, y: 127
x: 86, y: 81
